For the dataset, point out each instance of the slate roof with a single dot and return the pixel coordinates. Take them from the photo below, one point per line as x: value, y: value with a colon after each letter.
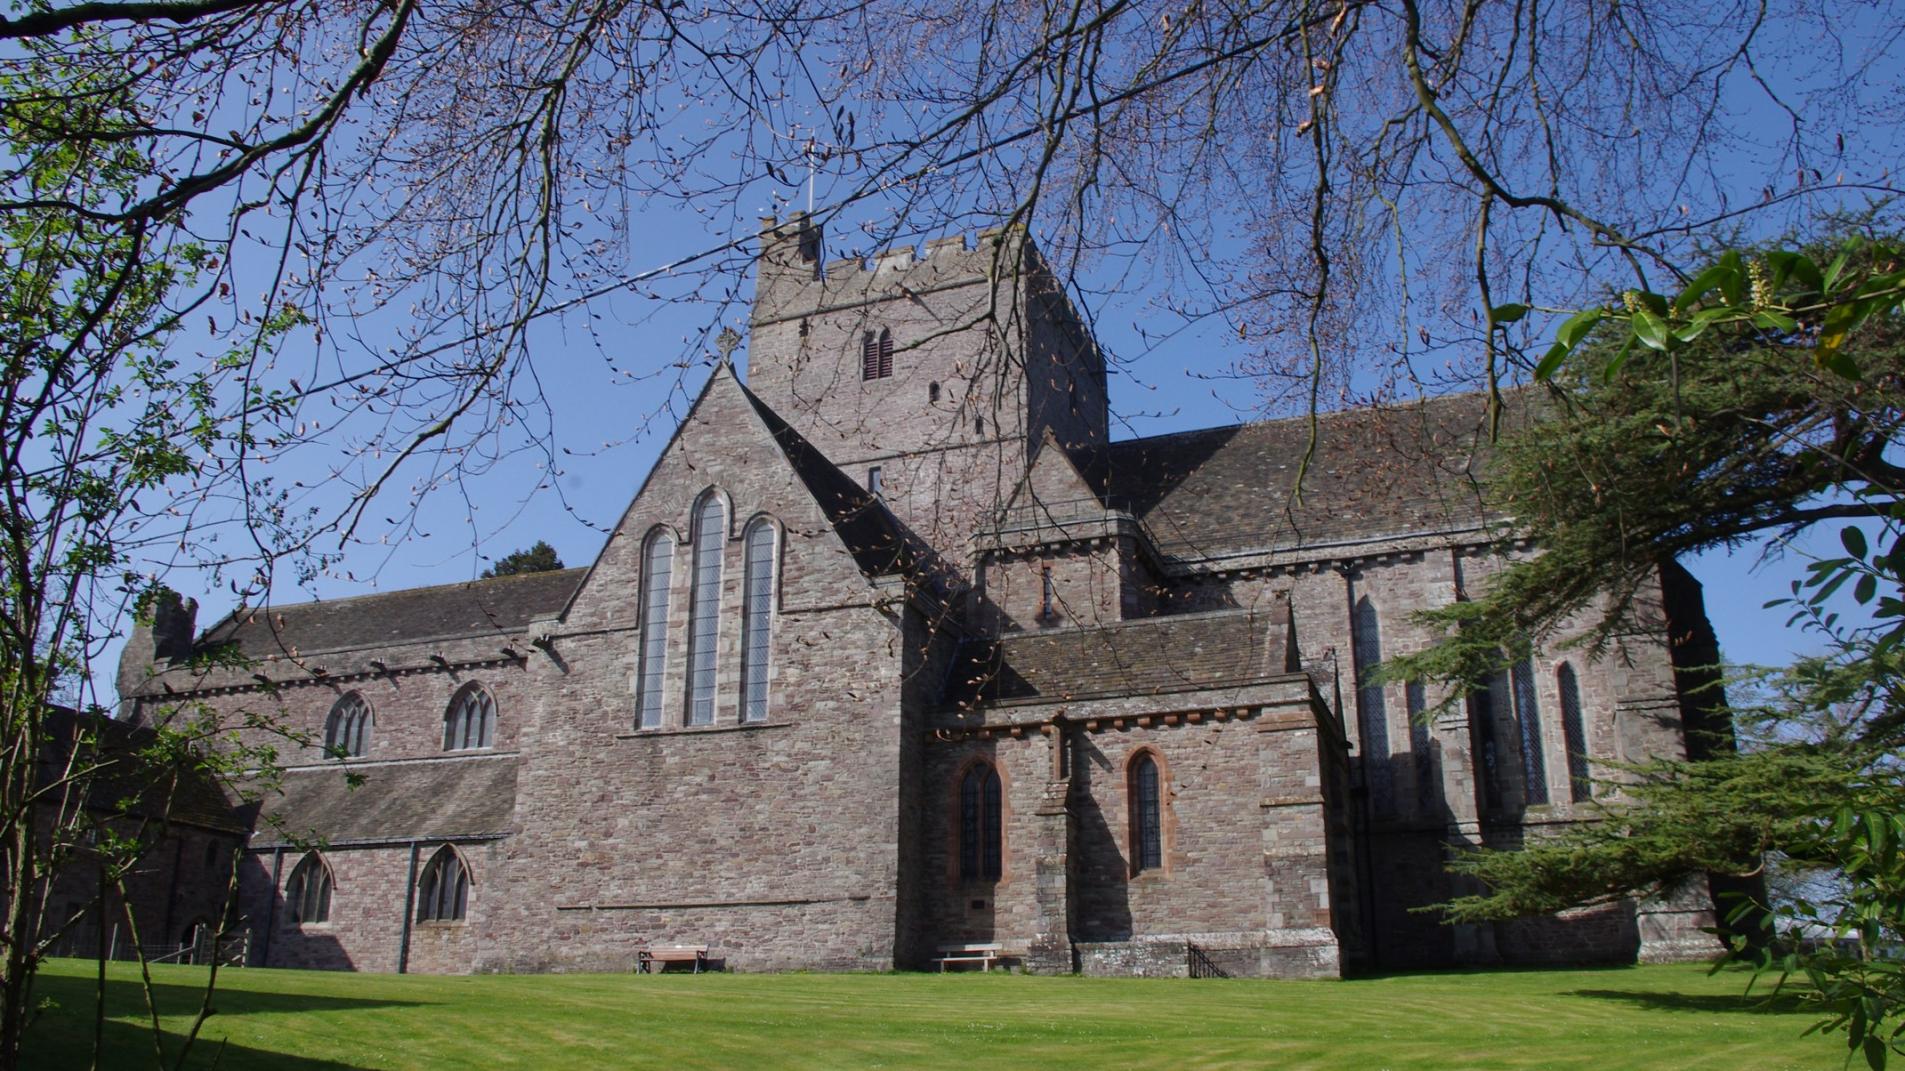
x: 1148, y: 656
x: 1402, y: 469
x: 128, y: 782
x: 501, y: 605
x: 431, y: 800
x: 879, y: 543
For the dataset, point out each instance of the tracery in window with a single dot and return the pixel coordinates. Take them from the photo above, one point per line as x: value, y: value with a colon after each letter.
x: 1534, y: 766
x: 981, y: 825
x: 757, y: 612
x: 704, y: 609
x: 347, y: 730
x: 876, y: 354
x: 470, y: 720
x: 443, y: 893
x: 1147, y: 826
x: 308, y: 893
x: 1574, y: 735
x: 657, y: 564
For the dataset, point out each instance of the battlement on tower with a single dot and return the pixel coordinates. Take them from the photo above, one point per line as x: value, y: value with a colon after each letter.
x: 793, y: 281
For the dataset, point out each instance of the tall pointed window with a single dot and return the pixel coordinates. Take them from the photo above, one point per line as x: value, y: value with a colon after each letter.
x: 443, y: 893
x: 981, y: 826
x: 1147, y: 826
x: 657, y: 563
x: 308, y: 893
x: 704, y: 609
x: 470, y: 722
x: 876, y: 354
x: 757, y: 613
x: 1534, y: 766
x: 1421, y: 747
x: 347, y: 730
x: 1574, y: 732
x: 1372, y: 715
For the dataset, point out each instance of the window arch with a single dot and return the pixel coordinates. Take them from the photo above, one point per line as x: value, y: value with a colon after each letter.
x: 1145, y: 787
x: 1534, y: 766
x: 470, y: 720
x: 309, y: 891
x: 443, y: 893
x: 347, y: 730
x: 1372, y: 714
x: 657, y: 567
x: 876, y: 354
x: 704, y: 608
x: 1574, y: 734
x: 757, y: 614
x: 981, y: 823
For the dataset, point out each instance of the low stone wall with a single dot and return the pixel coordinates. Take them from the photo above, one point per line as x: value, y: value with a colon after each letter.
x: 1273, y: 954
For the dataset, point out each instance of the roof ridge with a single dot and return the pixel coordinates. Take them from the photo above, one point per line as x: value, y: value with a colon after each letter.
x: 1399, y: 405
x: 392, y: 593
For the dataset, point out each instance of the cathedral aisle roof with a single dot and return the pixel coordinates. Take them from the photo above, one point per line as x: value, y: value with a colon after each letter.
x: 1404, y: 469
x: 436, y: 799
x: 1147, y: 656
x: 503, y: 604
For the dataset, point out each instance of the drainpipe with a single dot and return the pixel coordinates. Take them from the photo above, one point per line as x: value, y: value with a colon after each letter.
x: 409, y: 911
x: 271, y: 907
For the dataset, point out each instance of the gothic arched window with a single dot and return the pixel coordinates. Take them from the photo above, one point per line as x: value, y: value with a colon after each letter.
x: 347, y: 730
x: 443, y: 893
x: 308, y: 893
x: 1147, y: 813
x: 657, y: 566
x: 757, y: 614
x: 876, y: 354
x: 1372, y: 714
x: 981, y: 824
x: 470, y: 720
x: 1574, y: 734
x: 704, y: 608
x: 1534, y: 766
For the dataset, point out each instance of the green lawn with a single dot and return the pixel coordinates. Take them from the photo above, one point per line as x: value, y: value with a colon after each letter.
x: 1637, y: 1017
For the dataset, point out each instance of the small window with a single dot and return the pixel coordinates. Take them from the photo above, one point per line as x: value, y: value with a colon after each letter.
x: 1048, y: 593
x: 876, y: 354
x: 979, y: 425
x: 876, y: 483
x: 443, y: 894
x: 308, y: 894
x: 981, y: 826
x: 932, y: 392
x: 347, y: 730
x: 1574, y: 730
x: 1147, y: 827
x: 470, y: 720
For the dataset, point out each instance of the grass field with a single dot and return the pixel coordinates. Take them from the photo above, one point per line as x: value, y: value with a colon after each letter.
x: 1617, y: 1018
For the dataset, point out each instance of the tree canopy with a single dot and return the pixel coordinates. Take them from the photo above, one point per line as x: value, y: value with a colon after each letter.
x: 540, y: 558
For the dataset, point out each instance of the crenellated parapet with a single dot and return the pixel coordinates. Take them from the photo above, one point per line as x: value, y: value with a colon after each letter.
x: 794, y: 281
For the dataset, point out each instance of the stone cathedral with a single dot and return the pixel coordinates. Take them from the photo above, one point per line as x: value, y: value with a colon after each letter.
x: 899, y: 649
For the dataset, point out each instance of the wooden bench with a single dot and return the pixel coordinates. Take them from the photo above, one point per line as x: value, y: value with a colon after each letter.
x: 985, y: 955
x: 647, y: 958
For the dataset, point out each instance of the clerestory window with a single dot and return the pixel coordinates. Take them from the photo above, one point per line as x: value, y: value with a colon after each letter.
x: 347, y: 730
x: 470, y: 721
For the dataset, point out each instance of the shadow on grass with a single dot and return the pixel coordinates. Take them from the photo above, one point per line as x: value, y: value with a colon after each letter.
x: 1786, y: 1002
x: 62, y: 1035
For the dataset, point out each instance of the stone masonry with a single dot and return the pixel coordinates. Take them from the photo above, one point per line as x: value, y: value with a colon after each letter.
x: 931, y: 661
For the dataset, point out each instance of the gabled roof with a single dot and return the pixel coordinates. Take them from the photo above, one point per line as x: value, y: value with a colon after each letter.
x: 879, y: 543
x: 1148, y: 656
x: 431, y: 800
x: 503, y: 605
x: 1404, y: 469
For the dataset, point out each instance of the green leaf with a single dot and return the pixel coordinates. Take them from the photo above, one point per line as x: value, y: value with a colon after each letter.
x: 1773, y: 321
x: 1838, y: 265
x: 1853, y: 539
x: 1701, y: 285
x: 1867, y: 587
x: 1507, y: 314
x: 1733, y: 283
x: 1650, y: 329
x: 1568, y: 336
x: 1620, y: 358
